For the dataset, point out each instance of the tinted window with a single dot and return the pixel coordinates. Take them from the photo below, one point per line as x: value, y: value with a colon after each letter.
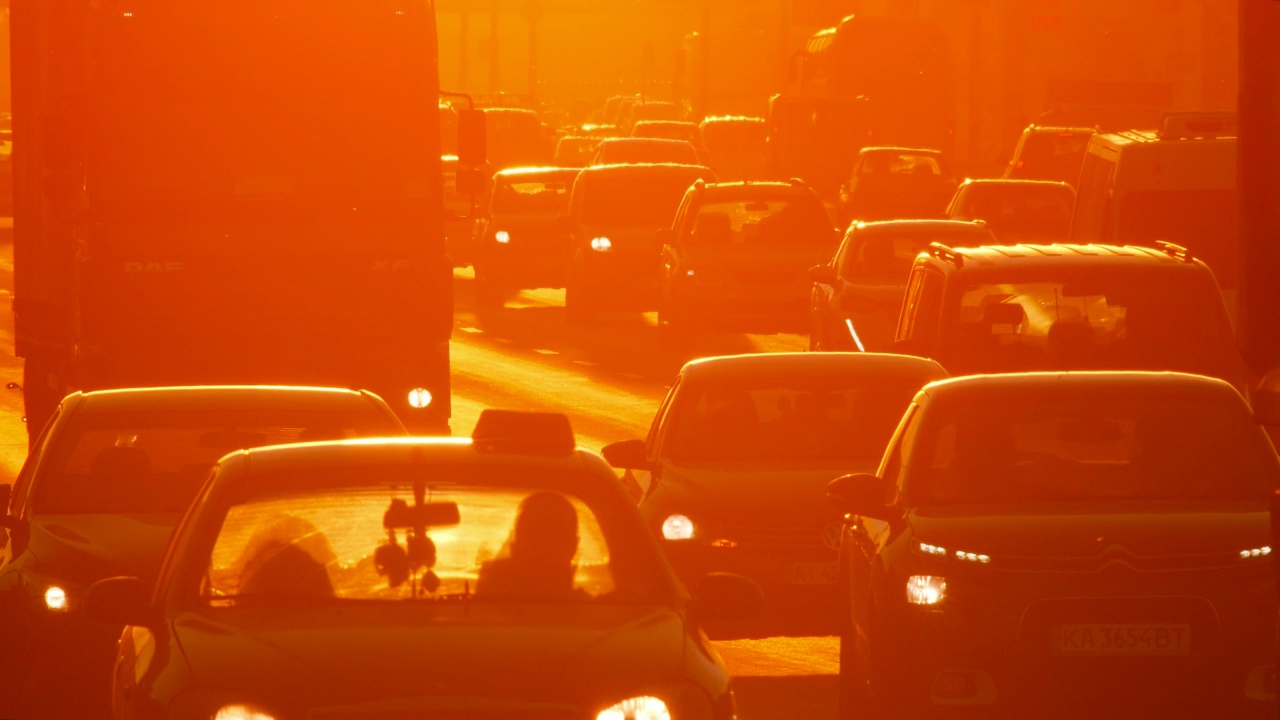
x: 625, y: 199
x: 520, y: 196
x: 762, y: 222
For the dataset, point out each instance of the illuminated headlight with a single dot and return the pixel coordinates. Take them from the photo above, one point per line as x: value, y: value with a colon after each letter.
x: 502, y: 236
x: 677, y: 527
x: 689, y: 273
x: 242, y: 712
x: 55, y: 599
x: 601, y: 244
x: 972, y: 557
x: 636, y: 708
x: 1255, y: 552
x: 928, y: 549
x: 419, y: 398
x: 926, y: 589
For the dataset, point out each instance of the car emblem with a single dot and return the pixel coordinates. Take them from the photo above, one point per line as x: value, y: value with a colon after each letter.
x: 833, y: 534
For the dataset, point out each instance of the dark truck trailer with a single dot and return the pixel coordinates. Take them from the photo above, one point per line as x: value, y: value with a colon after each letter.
x: 230, y: 191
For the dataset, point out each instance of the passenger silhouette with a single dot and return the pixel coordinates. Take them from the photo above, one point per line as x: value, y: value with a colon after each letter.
x: 289, y: 558
x: 539, y: 562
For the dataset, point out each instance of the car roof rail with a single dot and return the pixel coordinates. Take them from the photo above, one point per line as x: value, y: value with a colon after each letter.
x: 524, y: 433
x: 1175, y: 251
x: 945, y: 253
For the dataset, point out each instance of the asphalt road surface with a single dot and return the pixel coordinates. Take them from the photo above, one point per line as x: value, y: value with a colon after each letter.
x: 609, y: 378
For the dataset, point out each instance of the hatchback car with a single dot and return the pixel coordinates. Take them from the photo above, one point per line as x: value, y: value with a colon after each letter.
x: 857, y: 295
x: 503, y: 575
x: 101, y: 492
x: 615, y: 215
x: 1017, y: 211
x: 732, y: 477
x: 520, y: 243
x: 737, y: 257
x: 1063, y: 545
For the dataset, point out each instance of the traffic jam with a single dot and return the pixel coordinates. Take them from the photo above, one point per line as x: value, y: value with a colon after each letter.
x: 348, y: 382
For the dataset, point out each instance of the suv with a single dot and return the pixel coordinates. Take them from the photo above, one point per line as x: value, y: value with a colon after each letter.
x: 1017, y: 211
x: 615, y: 215
x: 1022, y: 308
x: 1050, y: 153
x: 737, y: 257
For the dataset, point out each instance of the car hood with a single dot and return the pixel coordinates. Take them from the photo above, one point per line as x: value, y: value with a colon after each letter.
x: 88, y: 548
x: 1142, y: 529
x: 794, y: 495
x: 350, y: 654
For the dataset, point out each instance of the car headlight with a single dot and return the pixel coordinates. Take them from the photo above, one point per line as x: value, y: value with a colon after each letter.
x: 240, y: 711
x: 55, y: 599
x: 601, y: 244
x: 645, y: 707
x: 419, y: 398
x: 926, y: 589
x: 1257, y: 552
x: 677, y: 527
x: 502, y: 236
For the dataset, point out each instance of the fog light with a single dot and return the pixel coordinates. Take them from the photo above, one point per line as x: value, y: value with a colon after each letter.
x: 242, y: 712
x: 419, y: 398
x: 677, y: 527
x: 55, y: 599
x: 502, y: 236
x: 926, y: 589
x: 601, y: 244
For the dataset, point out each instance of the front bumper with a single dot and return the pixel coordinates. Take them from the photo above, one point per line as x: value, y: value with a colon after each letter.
x: 758, y: 309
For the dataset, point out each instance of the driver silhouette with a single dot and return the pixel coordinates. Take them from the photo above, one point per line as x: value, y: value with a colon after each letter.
x: 539, y: 561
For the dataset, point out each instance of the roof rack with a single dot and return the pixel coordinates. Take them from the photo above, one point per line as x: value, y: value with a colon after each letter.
x: 1192, y: 125
x: 942, y: 252
x: 524, y: 433
x: 1177, y: 252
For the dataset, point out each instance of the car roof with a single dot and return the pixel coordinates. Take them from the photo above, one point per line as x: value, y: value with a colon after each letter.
x: 807, y: 364
x: 525, y: 172
x: 659, y: 123
x: 988, y: 256
x: 740, y: 188
x: 644, y: 141
x: 1014, y: 182
x: 726, y: 119
x: 1059, y: 130
x: 894, y: 149
x: 216, y: 397
x: 661, y: 169
x: 407, y: 450
x: 1154, y: 383
x: 912, y: 227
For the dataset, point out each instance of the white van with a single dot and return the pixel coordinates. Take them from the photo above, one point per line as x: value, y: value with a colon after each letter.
x: 1177, y: 184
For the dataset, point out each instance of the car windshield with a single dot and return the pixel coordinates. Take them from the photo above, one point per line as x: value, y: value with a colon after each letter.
x: 346, y: 533
x: 647, y: 150
x: 126, y: 463
x: 1043, y: 211
x: 769, y: 421
x: 1101, y: 444
x: 633, y: 199
x: 1094, y: 319
x: 762, y: 222
x: 532, y: 196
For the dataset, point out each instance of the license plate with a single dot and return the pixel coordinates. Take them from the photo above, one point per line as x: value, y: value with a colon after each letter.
x: 811, y: 573
x: 1144, y: 639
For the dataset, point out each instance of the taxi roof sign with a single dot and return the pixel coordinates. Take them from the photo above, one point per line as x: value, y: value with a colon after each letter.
x: 524, y: 433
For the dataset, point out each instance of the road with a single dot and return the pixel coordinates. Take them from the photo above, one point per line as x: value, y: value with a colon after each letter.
x: 609, y: 379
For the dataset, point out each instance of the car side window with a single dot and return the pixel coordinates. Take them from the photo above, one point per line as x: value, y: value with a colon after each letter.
x: 680, y: 225
x: 659, y: 420
x: 912, y: 301
x: 923, y: 307
x: 22, y: 485
x: 893, y: 467
x: 844, y: 256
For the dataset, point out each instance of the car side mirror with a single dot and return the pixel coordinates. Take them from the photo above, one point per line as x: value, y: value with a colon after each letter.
x: 823, y: 274
x: 471, y: 181
x: 862, y: 494
x: 121, y: 601
x: 726, y: 598
x: 628, y: 455
x: 472, y: 138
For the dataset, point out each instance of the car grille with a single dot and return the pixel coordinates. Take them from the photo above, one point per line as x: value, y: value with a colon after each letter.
x: 773, y: 537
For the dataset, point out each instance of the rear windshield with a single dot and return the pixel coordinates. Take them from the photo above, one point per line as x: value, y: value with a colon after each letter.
x: 633, y: 200
x: 154, y: 462
x: 1024, y: 209
x: 881, y: 164
x: 648, y: 151
x: 1052, y: 157
x: 762, y: 222
x: 820, y: 419
x: 1053, y: 447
